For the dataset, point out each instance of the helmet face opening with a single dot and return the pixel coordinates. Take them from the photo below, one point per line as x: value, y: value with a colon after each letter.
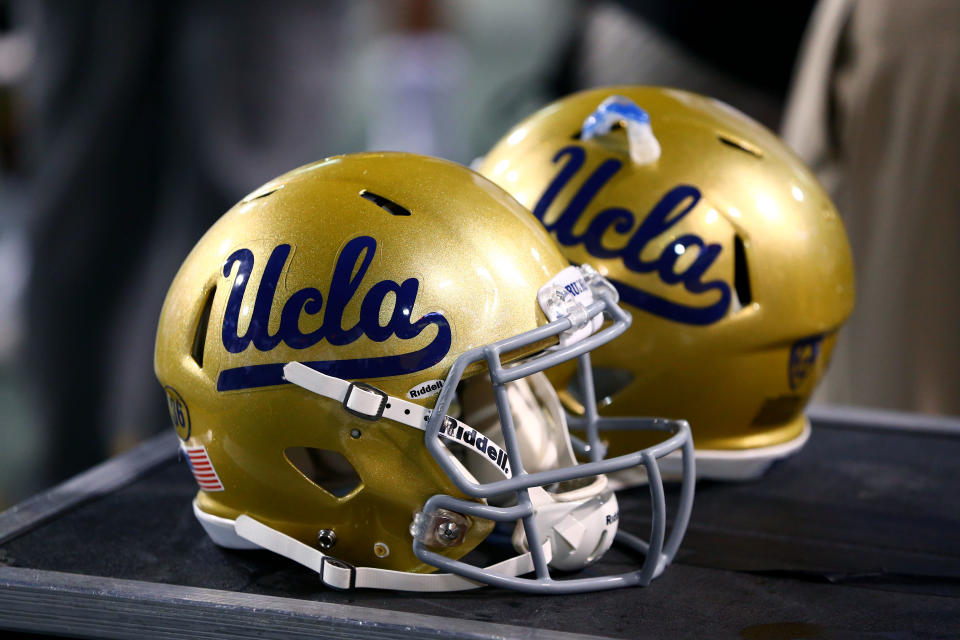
x: 565, y: 514
x: 316, y: 337
x: 724, y: 248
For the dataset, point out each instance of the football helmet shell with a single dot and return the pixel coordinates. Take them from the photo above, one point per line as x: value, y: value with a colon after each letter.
x: 723, y: 246
x: 374, y: 283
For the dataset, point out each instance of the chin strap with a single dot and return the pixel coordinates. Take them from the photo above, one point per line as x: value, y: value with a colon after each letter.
x: 370, y: 403
x: 340, y: 575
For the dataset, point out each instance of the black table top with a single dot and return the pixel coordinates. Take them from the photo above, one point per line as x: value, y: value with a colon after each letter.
x: 856, y: 536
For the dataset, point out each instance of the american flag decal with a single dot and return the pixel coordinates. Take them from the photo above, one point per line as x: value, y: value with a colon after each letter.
x: 203, y: 471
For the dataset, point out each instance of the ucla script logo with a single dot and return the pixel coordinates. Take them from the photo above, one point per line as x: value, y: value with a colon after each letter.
x: 348, y: 274
x: 671, y: 209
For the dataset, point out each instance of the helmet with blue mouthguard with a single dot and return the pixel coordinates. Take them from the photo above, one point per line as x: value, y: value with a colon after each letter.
x: 722, y: 245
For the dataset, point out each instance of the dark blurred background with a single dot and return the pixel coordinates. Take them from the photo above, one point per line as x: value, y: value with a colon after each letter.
x: 128, y: 127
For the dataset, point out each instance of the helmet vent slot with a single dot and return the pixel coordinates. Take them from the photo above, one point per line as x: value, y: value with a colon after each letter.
x: 264, y: 194
x: 741, y: 273
x: 386, y: 204
x: 329, y: 470
x: 740, y: 146
x: 200, y: 337
x: 617, y: 126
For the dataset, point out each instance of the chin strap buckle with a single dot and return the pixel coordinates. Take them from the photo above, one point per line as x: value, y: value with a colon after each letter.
x: 363, y: 401
x: 337, y: 574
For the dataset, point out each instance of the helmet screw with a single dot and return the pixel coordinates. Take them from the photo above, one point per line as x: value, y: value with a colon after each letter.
x: 448, y: 531
x: 326, y: 538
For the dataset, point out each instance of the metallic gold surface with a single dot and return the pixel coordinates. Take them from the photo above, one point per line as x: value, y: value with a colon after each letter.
x: 479, y: 259
x: 731, y: 377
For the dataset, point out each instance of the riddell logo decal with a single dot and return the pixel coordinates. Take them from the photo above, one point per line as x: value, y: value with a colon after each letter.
x: 426, y: 389
x: 456, y: 430
x: 576, y: 287
x: 613, y: 518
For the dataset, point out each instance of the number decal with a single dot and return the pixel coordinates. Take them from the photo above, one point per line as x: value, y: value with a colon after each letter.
x: 179, y: 414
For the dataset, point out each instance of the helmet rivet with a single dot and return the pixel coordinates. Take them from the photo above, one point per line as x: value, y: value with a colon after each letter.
x: 381, y: 549
x: 355, y: 433
x: 326, y: 538
x: 448, y: 531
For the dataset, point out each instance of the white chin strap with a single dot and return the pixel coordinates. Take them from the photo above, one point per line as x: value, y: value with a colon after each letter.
x: 340, y: 575
x: 373, y: 404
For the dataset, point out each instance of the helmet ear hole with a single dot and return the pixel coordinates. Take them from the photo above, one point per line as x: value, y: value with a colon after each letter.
x: 328, y: 470
x: 200, y: 337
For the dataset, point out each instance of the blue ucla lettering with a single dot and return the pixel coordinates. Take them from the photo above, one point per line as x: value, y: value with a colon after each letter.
x: 258, y: 331
x: 342, y: 288
x: 348, y: 274
x: 399, y: 325
x: 671, y: 209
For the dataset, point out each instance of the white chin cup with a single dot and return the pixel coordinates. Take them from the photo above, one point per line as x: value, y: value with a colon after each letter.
x: 579, y: 524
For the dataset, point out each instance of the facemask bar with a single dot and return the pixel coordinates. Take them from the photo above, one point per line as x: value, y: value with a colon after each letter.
x: 659, y: 551
x: 592, y: 424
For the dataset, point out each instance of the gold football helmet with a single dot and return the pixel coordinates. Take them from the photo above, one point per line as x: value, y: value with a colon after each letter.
x: 719, y: 241
x: 311, y: 348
